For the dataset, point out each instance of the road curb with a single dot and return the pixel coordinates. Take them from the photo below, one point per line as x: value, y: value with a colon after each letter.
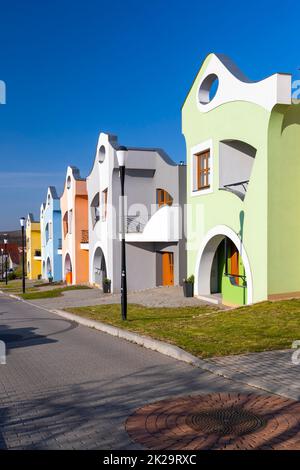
x: 145, y: 341
x: 172, y: 351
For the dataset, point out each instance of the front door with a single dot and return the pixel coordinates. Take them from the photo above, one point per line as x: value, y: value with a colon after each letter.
x: 234, y: 262
x: 167, y: 269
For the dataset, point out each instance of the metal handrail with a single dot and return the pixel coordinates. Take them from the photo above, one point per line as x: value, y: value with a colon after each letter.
x: 134, y: 224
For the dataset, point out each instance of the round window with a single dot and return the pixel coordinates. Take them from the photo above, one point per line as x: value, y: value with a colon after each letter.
x: 208, y: 89
x: 101, y: 154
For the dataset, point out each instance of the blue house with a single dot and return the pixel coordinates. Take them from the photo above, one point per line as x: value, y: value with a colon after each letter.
x: 50, y: 219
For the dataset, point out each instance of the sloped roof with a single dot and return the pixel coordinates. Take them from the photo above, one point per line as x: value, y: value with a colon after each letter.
x: 53, y: 192
x: 76, y: 173
x: 13, y: 251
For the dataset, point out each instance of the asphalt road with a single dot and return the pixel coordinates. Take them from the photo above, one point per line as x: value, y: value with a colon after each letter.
x: 66, y: 386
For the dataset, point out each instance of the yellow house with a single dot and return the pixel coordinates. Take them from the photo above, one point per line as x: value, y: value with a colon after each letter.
x: 33, y: 248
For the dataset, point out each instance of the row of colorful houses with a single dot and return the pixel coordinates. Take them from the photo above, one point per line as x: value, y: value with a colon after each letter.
x: 77, y: 238
x: 229, y: 216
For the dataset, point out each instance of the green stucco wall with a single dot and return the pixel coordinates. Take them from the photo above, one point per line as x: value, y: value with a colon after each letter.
x: 243, y: 121
x: 284, y: 200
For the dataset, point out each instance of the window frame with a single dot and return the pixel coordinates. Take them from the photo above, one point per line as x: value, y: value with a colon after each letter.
x: 167, y: 198
x: 201, y: 148
x: 205, y: 157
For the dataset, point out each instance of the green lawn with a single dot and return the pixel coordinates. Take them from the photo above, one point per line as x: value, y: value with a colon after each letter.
x: 45, y: 294
x: 15, y: 286
x: 208, y: 331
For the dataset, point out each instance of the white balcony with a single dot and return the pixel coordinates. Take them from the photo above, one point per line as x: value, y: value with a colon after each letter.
x: 163, y: 226
x: 84, y: 246
x: 37, y: 255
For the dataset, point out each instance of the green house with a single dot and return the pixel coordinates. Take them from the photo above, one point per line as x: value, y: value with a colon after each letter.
x: 243, y: 185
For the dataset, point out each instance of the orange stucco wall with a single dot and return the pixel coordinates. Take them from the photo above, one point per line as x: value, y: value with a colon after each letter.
x: 75, y: 199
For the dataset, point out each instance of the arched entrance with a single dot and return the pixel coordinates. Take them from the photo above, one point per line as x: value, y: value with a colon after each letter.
x: 222, y: 250
x: 99, y: 267
x: 44, y: 270
x: 49, y: 269
x: 68, y: 269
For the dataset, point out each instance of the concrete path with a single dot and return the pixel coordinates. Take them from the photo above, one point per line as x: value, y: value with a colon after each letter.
x: 157, y: 297
x: 66, y: 386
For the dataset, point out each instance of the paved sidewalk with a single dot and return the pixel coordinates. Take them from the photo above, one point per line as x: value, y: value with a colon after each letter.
x: 66, y: 386
x: 272, y: 371
x: 157, y: 297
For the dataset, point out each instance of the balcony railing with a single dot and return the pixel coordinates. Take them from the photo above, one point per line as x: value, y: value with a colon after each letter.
x: 133, y: 224
x: 84, y: 236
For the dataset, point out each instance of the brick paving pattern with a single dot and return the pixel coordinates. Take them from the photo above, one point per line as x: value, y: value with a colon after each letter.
x: 218, y: 421
x: 272, y: 371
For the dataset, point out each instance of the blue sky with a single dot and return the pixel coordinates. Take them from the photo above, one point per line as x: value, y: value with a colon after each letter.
x: 74, y: 68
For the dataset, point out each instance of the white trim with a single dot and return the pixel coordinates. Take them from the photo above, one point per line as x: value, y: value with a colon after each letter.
x: 97, y: 245
x: 84, y: 246
x: 205, y: 258
x: 268, y: 92
x: 64, y: 266
x: 206, y: 145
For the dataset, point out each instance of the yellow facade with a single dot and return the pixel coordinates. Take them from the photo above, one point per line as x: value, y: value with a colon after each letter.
x: 33, y: 248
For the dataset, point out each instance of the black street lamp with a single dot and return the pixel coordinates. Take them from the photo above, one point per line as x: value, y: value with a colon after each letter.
x: 121, y: 154
x: 22, y: 223
x: 5, y: 254
x: 2, y: 265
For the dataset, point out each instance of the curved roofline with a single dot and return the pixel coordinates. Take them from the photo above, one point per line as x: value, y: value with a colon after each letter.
x: 76, y: 175
x: 232, y: 68
x: 111, y: 139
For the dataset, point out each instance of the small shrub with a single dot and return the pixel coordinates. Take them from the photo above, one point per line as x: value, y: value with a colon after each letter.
x: 12, y: 276
x: 190, y: 279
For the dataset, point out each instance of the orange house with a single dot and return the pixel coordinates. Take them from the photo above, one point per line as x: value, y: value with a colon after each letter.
x: 74, y: 212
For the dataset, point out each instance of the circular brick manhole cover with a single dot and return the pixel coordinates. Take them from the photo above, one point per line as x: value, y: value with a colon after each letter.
x: 218, y: 421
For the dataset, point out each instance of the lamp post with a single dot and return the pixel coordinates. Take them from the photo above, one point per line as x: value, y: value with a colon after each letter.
x: 5, y: 254
x: 22, y: 223
x: 2, y: 250
x: 121, y: 155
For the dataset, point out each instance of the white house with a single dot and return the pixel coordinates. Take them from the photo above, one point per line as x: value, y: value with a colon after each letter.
x: 155, y: 190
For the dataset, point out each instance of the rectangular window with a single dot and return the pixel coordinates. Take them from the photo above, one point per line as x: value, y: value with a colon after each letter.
x: 202, y: 170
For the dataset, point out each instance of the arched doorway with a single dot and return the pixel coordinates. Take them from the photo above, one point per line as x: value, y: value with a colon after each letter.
x: 44, y: 270
x: 223, y: 267
x: 99, y: 267
x: 49, y: 269
x: 68, y: 269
